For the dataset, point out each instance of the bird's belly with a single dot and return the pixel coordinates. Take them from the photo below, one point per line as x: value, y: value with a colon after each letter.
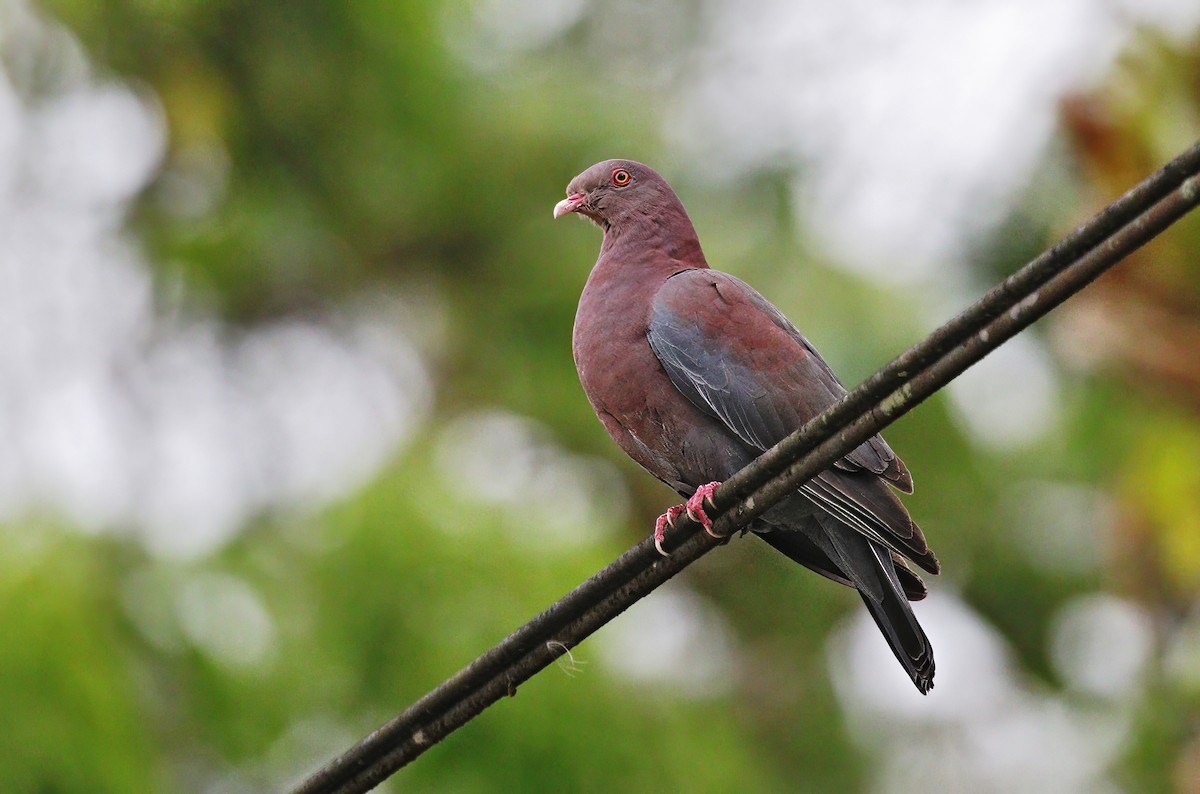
x: 651, y: 420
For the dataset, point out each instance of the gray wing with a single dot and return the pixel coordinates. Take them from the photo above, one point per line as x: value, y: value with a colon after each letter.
x: 737, y: 358
x: 731, y: 352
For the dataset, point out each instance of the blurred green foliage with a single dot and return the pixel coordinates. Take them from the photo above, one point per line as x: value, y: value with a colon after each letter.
x: 363, y: 154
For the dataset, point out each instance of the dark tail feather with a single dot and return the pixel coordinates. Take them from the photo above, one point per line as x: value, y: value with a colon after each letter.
x: 899, y: 625
x: 799, y: 548
x: 914, y: 586
x: 870, y: 566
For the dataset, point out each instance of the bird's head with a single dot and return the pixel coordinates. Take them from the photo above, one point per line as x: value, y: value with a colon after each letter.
x: 615, y: 191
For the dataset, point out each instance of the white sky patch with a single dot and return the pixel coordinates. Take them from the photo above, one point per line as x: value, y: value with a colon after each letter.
x: 487, y: 34
x: 119, y: 414
x: 548, y: 497
x: 1010, y: 399
x: 225, y: 618
x: 97, y: 145
x: 1101, y: 645
x: 672, y: 641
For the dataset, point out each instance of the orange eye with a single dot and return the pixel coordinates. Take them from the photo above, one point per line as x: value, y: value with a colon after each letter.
x: 621, y: 177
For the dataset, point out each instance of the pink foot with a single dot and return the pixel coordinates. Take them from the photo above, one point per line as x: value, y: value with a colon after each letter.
x: 660, y: 526
x: 695, y: 506
x: 695, y: 510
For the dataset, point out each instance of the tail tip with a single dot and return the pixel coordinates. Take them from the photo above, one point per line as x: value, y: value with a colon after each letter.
x: 923, y: 679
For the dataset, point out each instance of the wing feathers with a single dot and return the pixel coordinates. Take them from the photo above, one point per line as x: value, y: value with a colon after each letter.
x: 738, y: 359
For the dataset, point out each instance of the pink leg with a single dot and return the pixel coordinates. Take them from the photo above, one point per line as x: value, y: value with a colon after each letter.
x: 695, y: 510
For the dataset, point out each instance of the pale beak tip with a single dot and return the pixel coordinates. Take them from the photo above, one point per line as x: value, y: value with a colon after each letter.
x: 569, y: 204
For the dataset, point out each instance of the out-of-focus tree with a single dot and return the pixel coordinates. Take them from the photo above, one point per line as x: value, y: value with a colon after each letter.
x: 340, y: 214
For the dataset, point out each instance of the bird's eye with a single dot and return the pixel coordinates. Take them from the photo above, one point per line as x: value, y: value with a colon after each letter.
x: 621, y: 177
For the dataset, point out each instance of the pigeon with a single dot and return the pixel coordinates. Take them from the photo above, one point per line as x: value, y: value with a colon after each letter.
x: 694, y: 374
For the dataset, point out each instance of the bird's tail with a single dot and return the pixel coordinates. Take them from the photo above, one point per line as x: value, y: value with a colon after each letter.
x: 869, y: 565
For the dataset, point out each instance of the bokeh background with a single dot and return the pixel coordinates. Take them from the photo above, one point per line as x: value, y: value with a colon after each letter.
x: 290, y: 431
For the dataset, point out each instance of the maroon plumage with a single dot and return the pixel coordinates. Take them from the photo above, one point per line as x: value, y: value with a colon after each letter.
x: 694, y: 374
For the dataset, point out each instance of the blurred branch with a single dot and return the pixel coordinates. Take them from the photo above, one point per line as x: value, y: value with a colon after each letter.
x: 1004, y: 311
x: 1117, y: 319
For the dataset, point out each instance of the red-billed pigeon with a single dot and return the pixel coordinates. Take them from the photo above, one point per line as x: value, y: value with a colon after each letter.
x: 694, y: 374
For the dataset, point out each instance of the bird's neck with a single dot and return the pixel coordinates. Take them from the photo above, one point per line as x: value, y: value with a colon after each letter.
x: 663, y: 240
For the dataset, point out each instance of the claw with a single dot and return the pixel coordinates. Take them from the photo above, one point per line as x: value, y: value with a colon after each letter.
x: 695, y: 507
x: 695, y: 510
x: 660, y: 526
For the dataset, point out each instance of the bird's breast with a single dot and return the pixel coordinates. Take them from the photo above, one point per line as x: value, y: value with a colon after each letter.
x: 633, y: 396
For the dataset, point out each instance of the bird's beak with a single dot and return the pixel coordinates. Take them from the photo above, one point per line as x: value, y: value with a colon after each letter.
x: 570, y: 204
